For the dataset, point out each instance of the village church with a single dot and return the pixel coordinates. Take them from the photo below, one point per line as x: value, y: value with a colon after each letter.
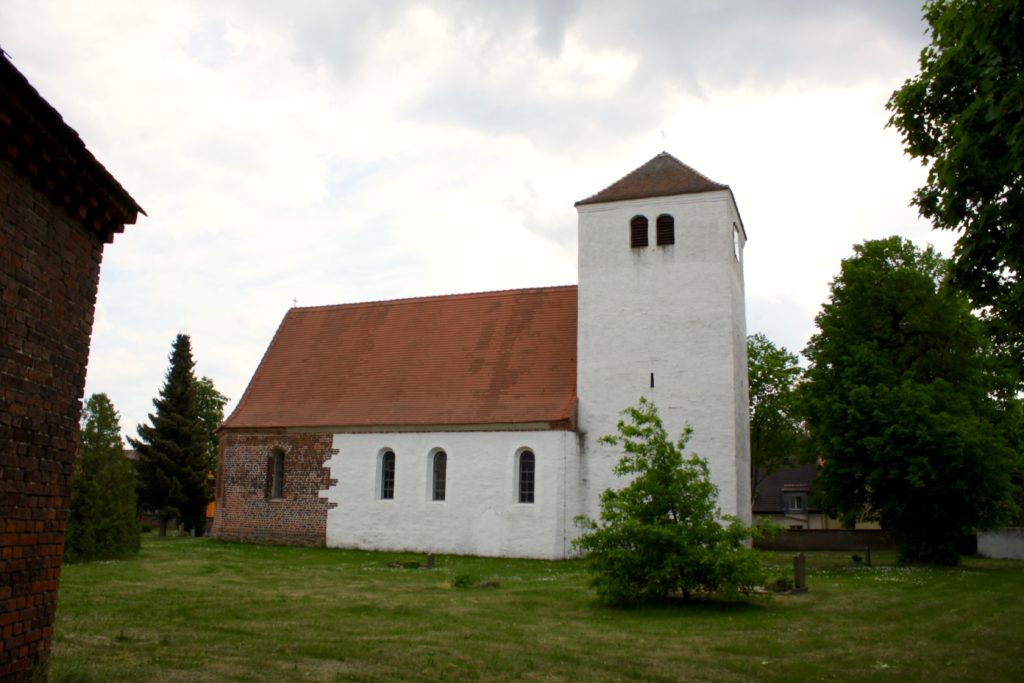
x: 470, y: 423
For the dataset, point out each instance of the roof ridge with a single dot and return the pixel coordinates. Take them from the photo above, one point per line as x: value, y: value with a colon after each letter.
x: 430, y: 297
x: 688, y: 167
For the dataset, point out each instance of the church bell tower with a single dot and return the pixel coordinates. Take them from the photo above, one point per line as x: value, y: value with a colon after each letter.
x: 661, y: 314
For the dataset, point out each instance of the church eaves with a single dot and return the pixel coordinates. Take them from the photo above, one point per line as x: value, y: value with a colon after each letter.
x: 662, y: 176
x: 39, y: 142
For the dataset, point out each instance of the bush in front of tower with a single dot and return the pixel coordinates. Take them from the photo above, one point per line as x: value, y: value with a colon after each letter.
x: 661, y: 535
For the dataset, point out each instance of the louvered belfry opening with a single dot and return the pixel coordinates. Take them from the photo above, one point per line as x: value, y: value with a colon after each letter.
x: 666, y: 228
x: 638, y: 231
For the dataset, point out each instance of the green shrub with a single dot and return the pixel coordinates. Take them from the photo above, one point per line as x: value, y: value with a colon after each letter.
x: 661, y: 535
x: 463, y: 581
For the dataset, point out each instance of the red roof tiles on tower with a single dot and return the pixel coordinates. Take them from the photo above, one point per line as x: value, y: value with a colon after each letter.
x: 662, y: 176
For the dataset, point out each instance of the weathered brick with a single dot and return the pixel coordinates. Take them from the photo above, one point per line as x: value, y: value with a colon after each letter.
x: 245, y: 509
x: 43, y: 367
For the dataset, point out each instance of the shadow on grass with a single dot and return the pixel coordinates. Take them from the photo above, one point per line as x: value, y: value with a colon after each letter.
x: 676, y: 605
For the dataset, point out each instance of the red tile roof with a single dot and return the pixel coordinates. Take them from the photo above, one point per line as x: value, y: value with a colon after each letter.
x: 662, y: 176
x: 489, y: 359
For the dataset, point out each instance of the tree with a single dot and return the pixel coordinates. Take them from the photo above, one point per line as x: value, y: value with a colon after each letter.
x: 210, y: 405
x: 101, y: 515
x: 963, y: 116
x: 173, y: 448
x: 661, y: 534
x: 777, y: 435
x: 898, y: 401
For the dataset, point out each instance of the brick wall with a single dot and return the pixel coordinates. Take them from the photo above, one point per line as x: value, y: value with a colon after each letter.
x: 49, y: 271
x: 830, y: 539
x: 246, y: 508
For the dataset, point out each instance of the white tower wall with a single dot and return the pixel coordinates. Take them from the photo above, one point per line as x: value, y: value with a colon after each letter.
x: 676, y: 312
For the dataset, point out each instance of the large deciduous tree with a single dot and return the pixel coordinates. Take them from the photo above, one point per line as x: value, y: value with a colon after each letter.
x: 777, y: 436
x: 899, y: 403
x: 661, y: 534
x: 102, y: 522
x: 210, y: 404
x: 963, y: 117
x: 173, y: 449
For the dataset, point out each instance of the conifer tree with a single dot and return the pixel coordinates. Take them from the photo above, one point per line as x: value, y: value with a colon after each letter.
x: 172, y: 449
x: 102, y: 522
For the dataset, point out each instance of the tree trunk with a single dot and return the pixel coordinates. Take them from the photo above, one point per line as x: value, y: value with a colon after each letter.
x: 163, y: 527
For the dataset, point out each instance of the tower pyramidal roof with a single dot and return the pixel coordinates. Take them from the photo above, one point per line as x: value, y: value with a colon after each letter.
x: 662, y: 176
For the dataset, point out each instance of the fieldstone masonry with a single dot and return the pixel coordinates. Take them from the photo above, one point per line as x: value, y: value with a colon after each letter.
x: 247, y: 509
x: 58, y: 206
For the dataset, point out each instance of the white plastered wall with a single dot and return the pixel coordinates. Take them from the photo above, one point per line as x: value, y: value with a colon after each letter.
x: 480, y: 515
x: 675, y: 311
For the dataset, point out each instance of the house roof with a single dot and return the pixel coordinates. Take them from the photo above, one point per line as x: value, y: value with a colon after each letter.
x: 35, y: 137
x: 662, y: 176
x: 795, y: 479
x: 498, y: 359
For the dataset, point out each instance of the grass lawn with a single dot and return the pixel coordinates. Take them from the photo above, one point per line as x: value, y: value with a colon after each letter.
x: 201, y: 610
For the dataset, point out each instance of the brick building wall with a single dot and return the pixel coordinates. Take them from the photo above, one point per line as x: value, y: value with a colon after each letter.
x: 49, y: 271
x: 248, y: 510
x: 58, y: 207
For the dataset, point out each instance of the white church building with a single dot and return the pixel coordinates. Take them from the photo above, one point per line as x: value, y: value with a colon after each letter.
x: 470, y: 423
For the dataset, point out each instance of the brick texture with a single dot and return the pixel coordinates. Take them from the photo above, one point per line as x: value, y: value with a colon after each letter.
x: 49, y: 271
x: 246, y: 508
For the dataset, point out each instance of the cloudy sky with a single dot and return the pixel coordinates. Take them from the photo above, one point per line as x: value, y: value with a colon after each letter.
x: 329, y: 151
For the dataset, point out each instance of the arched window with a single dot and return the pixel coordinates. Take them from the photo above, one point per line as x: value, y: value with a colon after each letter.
x: 275, y: 474
x: 666, y: 228
x: 440, y: 472
x: 638, y: 231
x: 736, y: 244
x: 526, y: 478
x: 387, y: 475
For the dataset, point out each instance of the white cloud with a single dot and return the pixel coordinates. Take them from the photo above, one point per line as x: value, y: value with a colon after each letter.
x: 344, y: 151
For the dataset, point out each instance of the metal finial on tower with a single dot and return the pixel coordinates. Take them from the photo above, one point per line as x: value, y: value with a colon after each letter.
x: 663, y: 140
x: 295, y: 303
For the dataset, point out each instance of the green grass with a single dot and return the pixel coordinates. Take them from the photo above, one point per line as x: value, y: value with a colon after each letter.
x: 200, y: 610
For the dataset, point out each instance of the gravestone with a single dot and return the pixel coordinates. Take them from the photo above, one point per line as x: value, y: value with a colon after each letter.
x: 799, y: 573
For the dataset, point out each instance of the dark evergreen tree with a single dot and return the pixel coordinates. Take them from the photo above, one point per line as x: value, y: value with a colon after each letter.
x: 173, y: 448
x: 102, y: 522
x: 900, y: 403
